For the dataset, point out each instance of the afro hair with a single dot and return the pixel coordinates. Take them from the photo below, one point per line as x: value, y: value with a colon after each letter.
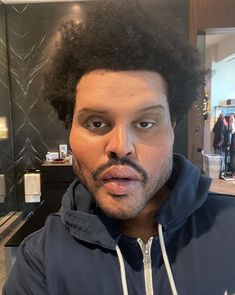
x: 123, y: 35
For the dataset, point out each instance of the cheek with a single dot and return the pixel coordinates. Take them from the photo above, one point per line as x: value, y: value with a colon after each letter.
x: 85, y: 150
x: 153, y: 156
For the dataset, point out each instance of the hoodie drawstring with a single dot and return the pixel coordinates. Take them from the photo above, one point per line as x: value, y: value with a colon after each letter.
x: 165, y: 259
x: 123, y: 271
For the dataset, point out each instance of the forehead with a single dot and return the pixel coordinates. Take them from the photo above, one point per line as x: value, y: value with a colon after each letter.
x: 116, y: 90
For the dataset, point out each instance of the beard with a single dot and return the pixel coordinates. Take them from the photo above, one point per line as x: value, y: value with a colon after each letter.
x: 127, y: 206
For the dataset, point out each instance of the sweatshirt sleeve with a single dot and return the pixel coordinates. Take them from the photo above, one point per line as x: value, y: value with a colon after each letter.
x: 28, y: 273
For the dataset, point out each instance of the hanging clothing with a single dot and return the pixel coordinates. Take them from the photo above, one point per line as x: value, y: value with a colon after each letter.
x: 227, y: 132
x: 218, y: 131
x: 232, y: 153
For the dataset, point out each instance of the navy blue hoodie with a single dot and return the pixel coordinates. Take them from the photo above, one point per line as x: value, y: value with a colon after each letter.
x: 81, y: 251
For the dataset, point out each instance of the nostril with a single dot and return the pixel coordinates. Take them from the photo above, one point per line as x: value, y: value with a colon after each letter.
x: 113, y: 155
x: 117, y: 158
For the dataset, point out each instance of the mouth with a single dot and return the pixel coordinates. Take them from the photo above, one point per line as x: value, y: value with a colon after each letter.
x: 120, y: 180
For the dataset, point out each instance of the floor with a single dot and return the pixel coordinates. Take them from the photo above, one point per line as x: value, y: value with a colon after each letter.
x: 2, y: 255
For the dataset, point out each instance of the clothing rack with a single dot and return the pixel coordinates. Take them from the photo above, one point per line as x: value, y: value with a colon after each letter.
x: 224, y: 139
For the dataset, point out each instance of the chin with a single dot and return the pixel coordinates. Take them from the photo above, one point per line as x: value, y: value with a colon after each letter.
x: 120, y: 214
x: 120, y: 207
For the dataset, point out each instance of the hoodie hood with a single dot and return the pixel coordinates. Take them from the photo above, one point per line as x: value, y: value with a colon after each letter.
x: 189, y: 190
x: 84, y: 220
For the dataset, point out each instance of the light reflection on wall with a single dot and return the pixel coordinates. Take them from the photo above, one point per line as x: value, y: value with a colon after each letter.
x: 75, y: 14
x: 3, y: 128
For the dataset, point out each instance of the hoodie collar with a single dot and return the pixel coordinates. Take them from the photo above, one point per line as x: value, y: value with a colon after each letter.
x: 189, y: 190
x: 86, y: 222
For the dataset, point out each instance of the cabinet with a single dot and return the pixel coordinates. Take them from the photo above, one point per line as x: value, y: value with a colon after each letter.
x: 55, y: 179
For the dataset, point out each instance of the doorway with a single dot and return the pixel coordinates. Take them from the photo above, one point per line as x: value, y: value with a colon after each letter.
x: 217, y: 47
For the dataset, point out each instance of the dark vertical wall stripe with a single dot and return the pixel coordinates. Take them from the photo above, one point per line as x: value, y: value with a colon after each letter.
x: 6, y: 145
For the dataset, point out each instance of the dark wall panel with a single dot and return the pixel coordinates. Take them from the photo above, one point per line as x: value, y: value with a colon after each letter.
x: 6, y: 148
x: 32, y: 34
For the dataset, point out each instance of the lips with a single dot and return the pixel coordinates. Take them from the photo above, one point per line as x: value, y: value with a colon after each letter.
x: 120, y: 180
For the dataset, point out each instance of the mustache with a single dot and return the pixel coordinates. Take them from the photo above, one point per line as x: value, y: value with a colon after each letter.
x: 123, y: 162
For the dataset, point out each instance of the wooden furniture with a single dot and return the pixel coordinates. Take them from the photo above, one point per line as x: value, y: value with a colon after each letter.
x: 223, y: 187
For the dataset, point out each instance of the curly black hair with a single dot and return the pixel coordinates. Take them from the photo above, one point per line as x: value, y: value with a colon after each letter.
x: 123, y: 35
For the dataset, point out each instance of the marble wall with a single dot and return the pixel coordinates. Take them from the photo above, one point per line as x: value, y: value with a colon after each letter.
x: 31, y: 37
x: 6, y: 144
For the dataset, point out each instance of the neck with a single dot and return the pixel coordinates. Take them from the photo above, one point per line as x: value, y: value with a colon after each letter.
x: 144, y: 226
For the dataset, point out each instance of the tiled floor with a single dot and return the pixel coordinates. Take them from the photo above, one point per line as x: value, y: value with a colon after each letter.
x: 2, y: 255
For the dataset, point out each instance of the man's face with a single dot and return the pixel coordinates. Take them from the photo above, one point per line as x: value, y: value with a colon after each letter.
x: 122, y: 139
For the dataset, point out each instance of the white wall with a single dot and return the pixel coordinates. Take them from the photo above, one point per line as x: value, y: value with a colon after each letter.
x: 223, y: 82
x: 226, y: 48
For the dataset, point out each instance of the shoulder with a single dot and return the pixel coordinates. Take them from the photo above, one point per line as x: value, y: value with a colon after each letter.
x: 219, y: 199
x: 218, y: 209
x: 28, y: 275
x: 37, y: 239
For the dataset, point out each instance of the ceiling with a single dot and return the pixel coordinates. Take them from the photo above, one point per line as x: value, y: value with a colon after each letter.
x: 215, y: 39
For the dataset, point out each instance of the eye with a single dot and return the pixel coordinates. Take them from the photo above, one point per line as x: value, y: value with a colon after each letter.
x: 96, y: 124
x: 145, y: 125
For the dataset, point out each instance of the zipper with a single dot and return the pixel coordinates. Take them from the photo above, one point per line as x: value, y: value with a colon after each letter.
x: 147, y: 262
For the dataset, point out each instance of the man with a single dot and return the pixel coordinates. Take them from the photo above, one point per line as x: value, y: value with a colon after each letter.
x: 141, y: 221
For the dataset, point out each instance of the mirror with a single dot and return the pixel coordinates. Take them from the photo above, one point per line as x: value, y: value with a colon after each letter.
x: 217, y: 47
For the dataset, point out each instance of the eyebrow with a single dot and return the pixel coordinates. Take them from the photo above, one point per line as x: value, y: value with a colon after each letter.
x: 87, y: 110
x: 152, y: 108
x: 104, y: 112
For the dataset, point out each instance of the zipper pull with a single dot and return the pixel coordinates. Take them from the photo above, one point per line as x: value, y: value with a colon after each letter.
x: 146, y: 250
x: 147, y: 264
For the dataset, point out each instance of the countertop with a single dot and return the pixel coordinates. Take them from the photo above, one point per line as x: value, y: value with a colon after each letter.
x: 223, y: 186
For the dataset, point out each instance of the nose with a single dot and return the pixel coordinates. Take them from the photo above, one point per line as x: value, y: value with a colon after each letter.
x: 120, y: 143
